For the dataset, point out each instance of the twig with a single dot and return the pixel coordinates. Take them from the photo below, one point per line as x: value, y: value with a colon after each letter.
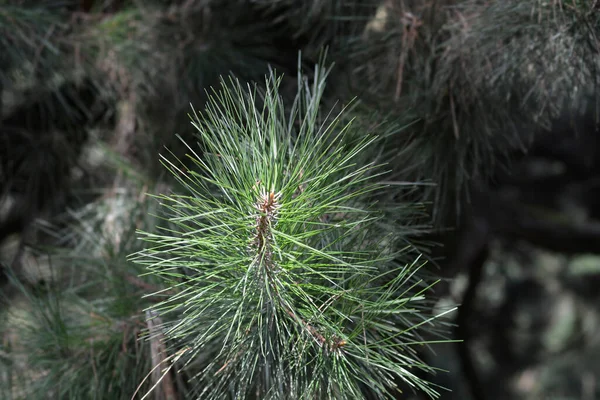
x: 158, y: 356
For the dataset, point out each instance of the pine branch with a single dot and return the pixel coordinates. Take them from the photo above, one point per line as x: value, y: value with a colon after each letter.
x: 287, y: 284
x: 482, y: 77
x: 77, y: 336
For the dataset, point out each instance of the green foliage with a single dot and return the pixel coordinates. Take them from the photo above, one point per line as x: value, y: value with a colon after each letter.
x: 145, y: 53
x: 82, y: 348
x: 32, y: 40
x: 286, y: 284
x: 136, y: 46
x: 78, y: 334
x: 483, y: 78
x: 286, y: 263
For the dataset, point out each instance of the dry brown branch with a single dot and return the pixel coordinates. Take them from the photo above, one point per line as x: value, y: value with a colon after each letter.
x: 158, y: 354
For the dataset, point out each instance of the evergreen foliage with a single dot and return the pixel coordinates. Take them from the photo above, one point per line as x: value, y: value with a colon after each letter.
x: 286, y: 286
x: 484, y: 78
x: 286, y: 257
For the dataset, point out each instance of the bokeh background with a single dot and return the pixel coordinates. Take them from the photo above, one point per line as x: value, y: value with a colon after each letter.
x: 497, y: 109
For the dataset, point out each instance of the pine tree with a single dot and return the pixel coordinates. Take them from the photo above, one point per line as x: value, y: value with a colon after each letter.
x: 286, y: 230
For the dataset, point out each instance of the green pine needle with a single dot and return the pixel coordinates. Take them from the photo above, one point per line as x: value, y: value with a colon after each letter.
x: 285, y: 283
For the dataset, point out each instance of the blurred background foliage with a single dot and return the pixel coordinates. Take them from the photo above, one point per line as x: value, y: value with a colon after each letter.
x: 495, y: 108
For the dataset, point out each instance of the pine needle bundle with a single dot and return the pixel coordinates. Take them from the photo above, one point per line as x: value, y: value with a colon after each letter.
x: 289, y: 283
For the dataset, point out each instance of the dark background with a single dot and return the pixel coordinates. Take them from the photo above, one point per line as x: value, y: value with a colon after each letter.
x: 499, y: 104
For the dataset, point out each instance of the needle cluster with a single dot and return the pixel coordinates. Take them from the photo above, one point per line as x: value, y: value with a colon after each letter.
x: 285, y: 282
